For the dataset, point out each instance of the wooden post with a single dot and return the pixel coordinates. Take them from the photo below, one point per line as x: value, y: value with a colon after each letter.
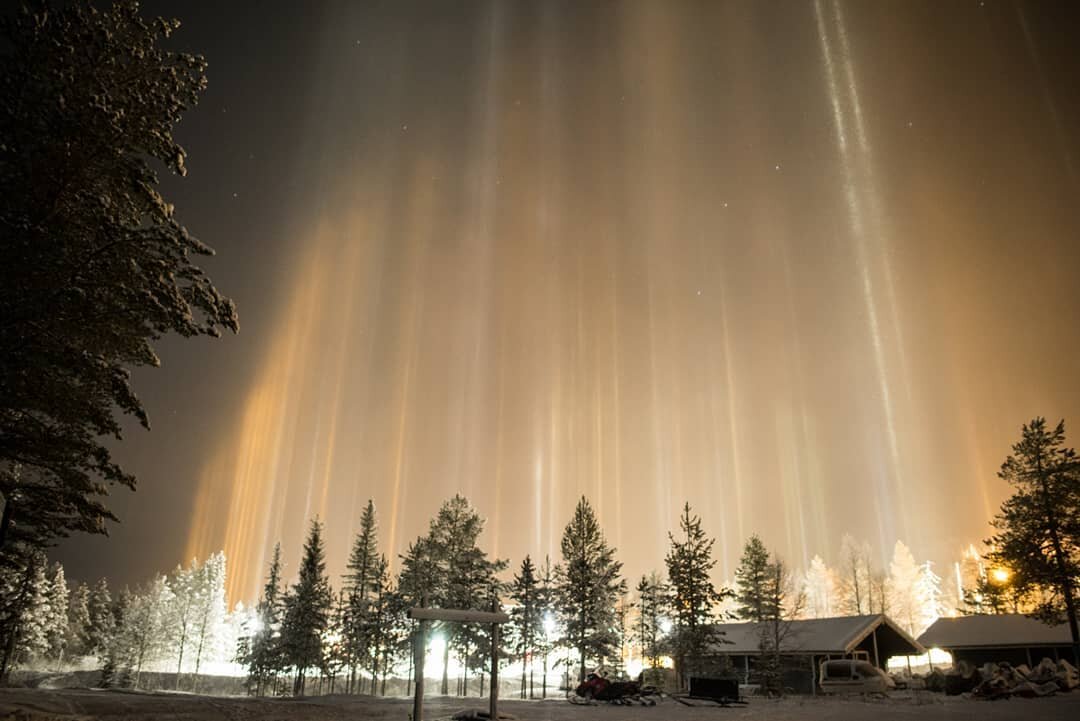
x: 493, y: 709
x: 425, y: 615
x: 418, y: 664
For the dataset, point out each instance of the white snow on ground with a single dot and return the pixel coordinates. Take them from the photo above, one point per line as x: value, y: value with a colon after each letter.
x: 83, y: 704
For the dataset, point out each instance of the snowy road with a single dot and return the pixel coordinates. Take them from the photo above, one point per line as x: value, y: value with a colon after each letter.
x: 82, y: 705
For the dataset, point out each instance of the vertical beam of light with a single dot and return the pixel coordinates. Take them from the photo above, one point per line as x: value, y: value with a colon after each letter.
x: 1064, y: 148
x: 871, y: 194
x: 243, y: 478
x: 549, y: 220
x: 418, y: 236
x: 616, y: 382
x: 859, y: 233
x: 732, y: 420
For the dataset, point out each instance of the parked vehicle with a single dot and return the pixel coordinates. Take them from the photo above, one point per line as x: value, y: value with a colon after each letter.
x: 847, y: 675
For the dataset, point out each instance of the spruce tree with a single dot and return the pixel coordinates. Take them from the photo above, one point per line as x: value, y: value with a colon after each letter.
x: 694, y: 597
x: 361, y: 588
x: 781, y: 605
x: 78, y: 621
x: 588, y: 588
x: 1038, y: 536
x: 56, y: 621
x: 263, y: 654
x: 96, y: 265
x: 465, y: 577
x: 416, y: 580
x: 525, y: 619
x: 652, y: 607
x: 307, y: 611
x: 751, y: 582
x: 546, y: 608
x: 31, y: 625
x: 102, y: 618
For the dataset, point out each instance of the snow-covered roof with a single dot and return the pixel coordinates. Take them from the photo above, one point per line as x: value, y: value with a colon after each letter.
x: 839, y: 635
x: 993, y: 631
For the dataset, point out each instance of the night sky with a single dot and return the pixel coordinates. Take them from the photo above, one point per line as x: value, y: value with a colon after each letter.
x: 806, y: 265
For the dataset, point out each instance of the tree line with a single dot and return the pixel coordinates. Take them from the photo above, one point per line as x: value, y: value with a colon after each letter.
x: 567, y: 616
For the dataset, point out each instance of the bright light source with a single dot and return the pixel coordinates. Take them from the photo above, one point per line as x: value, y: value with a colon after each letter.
x: 1000, y: 575
x: 665, y: 625
x: 549, y: 624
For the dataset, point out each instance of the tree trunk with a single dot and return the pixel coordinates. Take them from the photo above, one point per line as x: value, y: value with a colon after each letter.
x: 446, y: 668
x: 543, y: 678
x: 180, y: 659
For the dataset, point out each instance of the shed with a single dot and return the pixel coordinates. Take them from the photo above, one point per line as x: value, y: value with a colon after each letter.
x: 995, y: 638
x: 874, y: 638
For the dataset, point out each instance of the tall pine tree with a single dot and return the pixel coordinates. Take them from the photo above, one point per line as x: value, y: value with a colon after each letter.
x: 589, y: 586
x: 307, y: 611
x: 694, y: 597
x: 263, y: 657
x: 1038, y: 536
x: 652, y: 607
x: 752, y: 582
x: 361, y: 585
x: 465, y: 577
x: 526, y: 620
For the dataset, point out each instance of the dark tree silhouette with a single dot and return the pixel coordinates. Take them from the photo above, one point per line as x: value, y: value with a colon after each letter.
x: 1038, y: 536
x: 96, y: 265
x: 307, y: 611
x: 589, y: 586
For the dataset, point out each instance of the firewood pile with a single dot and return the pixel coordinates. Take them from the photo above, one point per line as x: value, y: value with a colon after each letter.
x: 1003, y: 680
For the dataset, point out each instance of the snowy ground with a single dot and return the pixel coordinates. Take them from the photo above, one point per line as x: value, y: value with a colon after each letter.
x: 82, y: 705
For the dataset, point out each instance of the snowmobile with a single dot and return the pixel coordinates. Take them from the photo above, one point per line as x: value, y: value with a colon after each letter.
x: 596, y: 688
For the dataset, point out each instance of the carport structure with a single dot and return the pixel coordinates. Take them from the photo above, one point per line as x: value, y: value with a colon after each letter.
x: 873, y: 638
x: 999, y: 637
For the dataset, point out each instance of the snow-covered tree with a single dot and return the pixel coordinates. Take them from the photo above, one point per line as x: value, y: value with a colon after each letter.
x: 929, y: 594
x: 55, y: 612
x: 366, y: 568
x: 33, y: 623
x: 546, y: 611
x: 782, y: 604
x: 652, y: 604
x: 588, y: 588
x: 262, y: 652
x: 307, y: 611
x: 185, y: 587
x: 96, y: 266
x: 78, y: 621
x: 144, y: 634
x: 694, y: 597
x: 525, y: 619
x: 210, y: 610
x: 465, y: 577
x: 854, y: 577
x: 102, y: 618
x: 819, y: 589
x: 905, y: 604
x: 751, y: 582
